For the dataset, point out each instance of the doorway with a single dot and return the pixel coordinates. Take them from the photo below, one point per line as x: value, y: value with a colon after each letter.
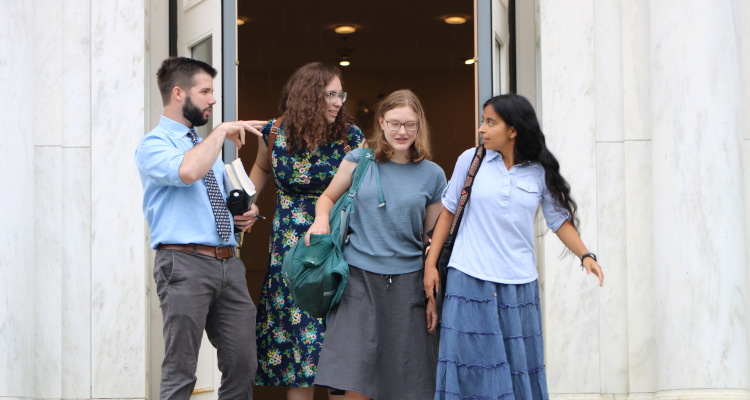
x: 397, y: 44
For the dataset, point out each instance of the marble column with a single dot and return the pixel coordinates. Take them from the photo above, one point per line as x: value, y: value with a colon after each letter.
x: 638, y: 198
x: 48, y: 174
x: 17, y: 217
x: 742, y: 17
x: 119, y: 292
x: 570, y: 298
x: 610, y: 196
x: 76, y: 192
x: 700, y: 269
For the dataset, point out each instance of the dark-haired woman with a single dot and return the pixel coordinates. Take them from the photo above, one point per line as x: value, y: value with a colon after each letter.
x: 311, y: 142
x: 491, y: 336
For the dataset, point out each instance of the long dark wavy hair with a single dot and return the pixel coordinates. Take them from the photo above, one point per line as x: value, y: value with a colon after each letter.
x: 304, y: 104
x: 517, y: 112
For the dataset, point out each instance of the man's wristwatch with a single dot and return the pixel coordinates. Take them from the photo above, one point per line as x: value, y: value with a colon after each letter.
x: 592, y: 255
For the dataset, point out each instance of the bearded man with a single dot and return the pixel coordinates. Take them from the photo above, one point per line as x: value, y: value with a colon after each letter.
x: 200, y: 282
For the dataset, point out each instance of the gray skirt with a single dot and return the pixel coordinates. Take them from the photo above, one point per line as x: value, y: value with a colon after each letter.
x: 376, y: 343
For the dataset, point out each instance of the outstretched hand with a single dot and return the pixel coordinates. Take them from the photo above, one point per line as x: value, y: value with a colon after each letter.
x: 235, y: 130
x: 592, y: 267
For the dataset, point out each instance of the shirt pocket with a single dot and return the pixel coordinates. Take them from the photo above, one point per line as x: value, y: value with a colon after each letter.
x: 527, y: 194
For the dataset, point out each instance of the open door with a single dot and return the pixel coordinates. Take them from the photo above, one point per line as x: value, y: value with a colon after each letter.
x: 500, y: 37
x: 200, y: 36
x: 493, y: 50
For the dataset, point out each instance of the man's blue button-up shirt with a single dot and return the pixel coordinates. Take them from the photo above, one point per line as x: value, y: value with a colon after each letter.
x: 176, y: 213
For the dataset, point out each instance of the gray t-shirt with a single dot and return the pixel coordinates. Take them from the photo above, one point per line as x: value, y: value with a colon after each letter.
x: 388, y: 240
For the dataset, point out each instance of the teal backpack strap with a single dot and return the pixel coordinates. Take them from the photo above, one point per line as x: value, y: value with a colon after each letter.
x: 381, y: 200
x: 365, y: 157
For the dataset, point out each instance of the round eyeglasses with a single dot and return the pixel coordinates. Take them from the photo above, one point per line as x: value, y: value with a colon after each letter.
x: 333, y: 95
x: 410, y: 126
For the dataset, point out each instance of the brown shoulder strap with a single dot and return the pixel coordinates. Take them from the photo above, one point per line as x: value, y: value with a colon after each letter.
x: 466, y: 192
x: 272, y: 137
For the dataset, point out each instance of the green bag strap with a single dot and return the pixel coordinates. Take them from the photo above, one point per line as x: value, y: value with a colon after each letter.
x: 381, y: 200
x: 365, y: 157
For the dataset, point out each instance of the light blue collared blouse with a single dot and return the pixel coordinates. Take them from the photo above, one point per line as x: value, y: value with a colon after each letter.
x: 176, y: 213
x: 495, y: 240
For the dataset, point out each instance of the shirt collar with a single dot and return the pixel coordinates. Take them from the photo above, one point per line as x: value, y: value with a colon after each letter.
x: 492, y: 154
x: 173, y: 127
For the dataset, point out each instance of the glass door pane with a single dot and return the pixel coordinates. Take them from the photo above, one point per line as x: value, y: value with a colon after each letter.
x: 202, y: 52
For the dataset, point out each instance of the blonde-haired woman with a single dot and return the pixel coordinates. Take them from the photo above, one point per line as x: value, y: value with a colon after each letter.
x: 376, y: 343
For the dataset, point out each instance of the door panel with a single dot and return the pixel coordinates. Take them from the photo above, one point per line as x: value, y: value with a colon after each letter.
x: 500, y: 55
x: 492, y: 40
x: 198, y: 20
x: 199, y: 36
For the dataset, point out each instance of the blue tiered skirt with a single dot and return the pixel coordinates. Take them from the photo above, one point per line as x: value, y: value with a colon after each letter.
x: 491, y: 344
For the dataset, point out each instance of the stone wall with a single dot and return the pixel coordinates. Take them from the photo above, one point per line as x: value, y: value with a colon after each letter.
x: 642, y: 103
x: 73, y: 280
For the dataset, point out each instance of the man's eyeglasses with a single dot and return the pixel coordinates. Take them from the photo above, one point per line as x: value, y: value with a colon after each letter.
x: 333, y: 95
x: 410, y: 126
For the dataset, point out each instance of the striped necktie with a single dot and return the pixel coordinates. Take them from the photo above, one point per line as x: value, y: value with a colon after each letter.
x: 218, y: 205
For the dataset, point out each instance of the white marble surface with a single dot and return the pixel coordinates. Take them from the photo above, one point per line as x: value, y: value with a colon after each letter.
x: 636, y: 70
x: 638, y: 197
x: 702, y: 394
x: 76, y: 273
x: 742, y: 19
x: 568, y: 102
x: 119, y: 299
x: 76, y: 73
x: 608, y: 67
x: 47, y: 272
x: 17, y: 220
x: 640, y: 267
x: 47, y: 52
x: 700, y: 263
x: 612, y: 244
x: 746, y: 170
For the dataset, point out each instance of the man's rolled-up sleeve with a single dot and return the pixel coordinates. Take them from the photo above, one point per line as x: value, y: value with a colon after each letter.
x: 160, y: 160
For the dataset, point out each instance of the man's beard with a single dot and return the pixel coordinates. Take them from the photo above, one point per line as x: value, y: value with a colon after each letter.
x: 193, y: 113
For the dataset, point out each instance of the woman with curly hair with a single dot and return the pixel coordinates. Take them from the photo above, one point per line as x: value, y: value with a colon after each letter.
x: 311, y: 139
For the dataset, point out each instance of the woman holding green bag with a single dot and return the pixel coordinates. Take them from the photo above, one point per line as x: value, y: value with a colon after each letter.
x: 376, y: 346
x: 301, y: 151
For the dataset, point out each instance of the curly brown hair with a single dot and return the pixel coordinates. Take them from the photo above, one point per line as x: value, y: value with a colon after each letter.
x: 304, y: 104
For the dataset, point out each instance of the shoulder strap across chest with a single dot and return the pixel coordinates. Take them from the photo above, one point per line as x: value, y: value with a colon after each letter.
x: 272, y: 136
x: 276, y: 128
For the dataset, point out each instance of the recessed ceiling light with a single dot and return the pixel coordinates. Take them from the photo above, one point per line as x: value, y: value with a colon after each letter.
x: 469, y: 61
x: 345, y: 29
x: 456, y: 20
x: 344, y: 63
x: 240, y: 21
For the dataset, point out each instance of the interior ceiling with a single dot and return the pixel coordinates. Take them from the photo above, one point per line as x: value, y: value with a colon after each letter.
x: 286, y: 34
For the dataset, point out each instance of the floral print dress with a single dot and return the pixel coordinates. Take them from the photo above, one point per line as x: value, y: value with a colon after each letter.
x: 289, y: 340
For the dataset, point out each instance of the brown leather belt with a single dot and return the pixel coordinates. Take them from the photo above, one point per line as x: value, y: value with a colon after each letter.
x: 218, y: 252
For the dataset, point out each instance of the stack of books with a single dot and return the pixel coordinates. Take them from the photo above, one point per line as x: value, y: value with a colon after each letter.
x: 236, y: 181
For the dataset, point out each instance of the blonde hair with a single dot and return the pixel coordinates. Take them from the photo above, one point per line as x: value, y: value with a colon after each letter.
x: 420, y: 149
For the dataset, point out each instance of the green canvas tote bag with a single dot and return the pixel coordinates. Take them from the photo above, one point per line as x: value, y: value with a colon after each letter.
x: 317, y: 275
